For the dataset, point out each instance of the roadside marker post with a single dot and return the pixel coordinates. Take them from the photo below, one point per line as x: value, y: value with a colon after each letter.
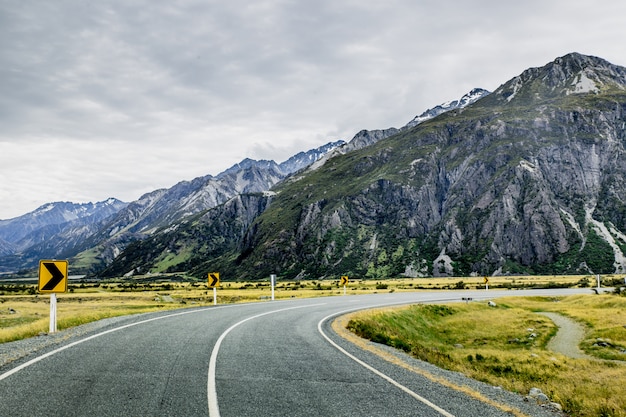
x: 273, y: 281
x: 52, y: 279
x: 486, y: 281
x: 344, y: 282
x: 53, y: 313
x: 214, y: 282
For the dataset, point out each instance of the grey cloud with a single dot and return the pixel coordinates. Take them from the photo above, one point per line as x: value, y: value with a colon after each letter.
x: 183, y: 88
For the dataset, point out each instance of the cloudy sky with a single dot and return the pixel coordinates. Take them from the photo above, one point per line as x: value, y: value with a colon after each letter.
x: 115, y: 98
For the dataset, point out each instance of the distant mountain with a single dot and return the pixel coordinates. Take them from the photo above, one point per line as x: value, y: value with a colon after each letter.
x: 466, y: 100
x: 163, y: 211
x: 369, y: 137
x: 302, y: 160
x: 529, y: 179
x: 22, y: 231
x: 45, y: 232
x: 94, y: 234
x: 6, y: 248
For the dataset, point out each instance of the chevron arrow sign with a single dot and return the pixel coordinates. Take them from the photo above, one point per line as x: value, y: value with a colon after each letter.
x: 214, y: 279
x: 52, y: 276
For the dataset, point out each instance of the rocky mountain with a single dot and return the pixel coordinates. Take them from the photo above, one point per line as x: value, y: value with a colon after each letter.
x: 51, y: 214
x: 93, y: 234
x: 368, y: 137
x: 466, y: 100
x: 47, y: 230
x: 528, y: 179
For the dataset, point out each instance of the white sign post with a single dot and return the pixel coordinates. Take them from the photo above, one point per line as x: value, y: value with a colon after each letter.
x: 52, y: 279
x: 214, y: 282
x: 53, y: 312
x: 273, y: 280
x: 344, y: 282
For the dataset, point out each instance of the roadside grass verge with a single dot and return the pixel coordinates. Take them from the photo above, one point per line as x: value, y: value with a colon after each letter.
x: 506, y: 346
x: 24, y: 313
x: 29, y: 316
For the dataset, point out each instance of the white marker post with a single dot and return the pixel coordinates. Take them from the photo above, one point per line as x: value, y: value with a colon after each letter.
x: 214, y: 282
x: 273, y: 281
x: 53, y: 312
x: 52, y: 279
x: 598, y: 278
x: 344, y: 282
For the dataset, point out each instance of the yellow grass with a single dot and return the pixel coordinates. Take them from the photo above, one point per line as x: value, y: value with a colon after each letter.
x: 90, y: 302
x: 494, y: 345
x: 583, y: 387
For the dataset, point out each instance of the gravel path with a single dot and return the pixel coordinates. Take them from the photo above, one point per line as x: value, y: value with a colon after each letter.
x: 568, y: 337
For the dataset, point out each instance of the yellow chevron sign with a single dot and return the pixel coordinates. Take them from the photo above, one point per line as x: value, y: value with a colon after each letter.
x: 52, y: 276
x: 344, y: 280
x: 214, y: 279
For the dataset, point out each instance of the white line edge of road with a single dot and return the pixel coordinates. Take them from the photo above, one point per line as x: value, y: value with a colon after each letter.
x: 78, y: 342
x: 214, y: 410
x: 376, y: 371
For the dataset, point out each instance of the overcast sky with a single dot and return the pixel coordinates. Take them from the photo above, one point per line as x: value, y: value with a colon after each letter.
x: 116, y: 98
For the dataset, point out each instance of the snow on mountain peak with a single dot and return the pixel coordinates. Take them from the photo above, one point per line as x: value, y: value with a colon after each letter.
x: 464, y: 101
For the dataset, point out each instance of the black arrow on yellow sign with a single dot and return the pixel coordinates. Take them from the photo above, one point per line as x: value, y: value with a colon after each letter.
x: 51, y: 278
x: 214, y: 279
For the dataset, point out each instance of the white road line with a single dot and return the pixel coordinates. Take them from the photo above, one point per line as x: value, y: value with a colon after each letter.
x: 214, y: 410
x: 377, y: 372
x: 78, y: 342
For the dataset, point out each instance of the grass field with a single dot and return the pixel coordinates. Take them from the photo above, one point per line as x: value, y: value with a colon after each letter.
x: 486, y: 344
x: 506, y: 346
x: 24, y: 313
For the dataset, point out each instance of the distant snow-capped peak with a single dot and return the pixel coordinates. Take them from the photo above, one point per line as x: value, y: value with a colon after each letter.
x: 464, y: 101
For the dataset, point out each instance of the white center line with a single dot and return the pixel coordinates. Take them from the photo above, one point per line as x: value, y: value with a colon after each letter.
x: 214, y: 410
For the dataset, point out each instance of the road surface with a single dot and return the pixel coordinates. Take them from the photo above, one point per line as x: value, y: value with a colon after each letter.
x: 261, y: 359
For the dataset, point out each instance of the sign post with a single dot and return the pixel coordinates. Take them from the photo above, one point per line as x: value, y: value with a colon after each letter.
x: 214, y: 282
x: 344, y: 282
x: 486, y: 281
x: 52, y: 279
x: 273, y: 280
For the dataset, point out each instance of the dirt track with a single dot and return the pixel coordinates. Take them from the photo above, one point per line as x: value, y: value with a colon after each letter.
x: 568, y: 337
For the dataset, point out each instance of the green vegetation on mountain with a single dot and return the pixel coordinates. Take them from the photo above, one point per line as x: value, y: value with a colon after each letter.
x: 527, y: 180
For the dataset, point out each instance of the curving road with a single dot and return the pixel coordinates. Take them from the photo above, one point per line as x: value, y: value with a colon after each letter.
x: 263, y: 359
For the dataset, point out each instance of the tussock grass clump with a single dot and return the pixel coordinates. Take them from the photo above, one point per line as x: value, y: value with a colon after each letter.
x: 506, y: 346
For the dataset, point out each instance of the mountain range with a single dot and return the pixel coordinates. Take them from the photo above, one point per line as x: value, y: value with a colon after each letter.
x: 528, y: 179
x: 95, y: 233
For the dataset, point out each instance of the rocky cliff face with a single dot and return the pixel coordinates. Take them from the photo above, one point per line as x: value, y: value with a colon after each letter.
x: 51, y: 231
x: 93, y: 235
x: 528, y: 179
x: 195, y: 244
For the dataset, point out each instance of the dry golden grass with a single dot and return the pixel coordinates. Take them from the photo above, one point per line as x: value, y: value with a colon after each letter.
x: 495, y: 346
x: 583, y: 387
x: 90, y: 302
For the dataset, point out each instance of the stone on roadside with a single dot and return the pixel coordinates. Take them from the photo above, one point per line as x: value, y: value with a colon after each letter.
x: 538, y: 395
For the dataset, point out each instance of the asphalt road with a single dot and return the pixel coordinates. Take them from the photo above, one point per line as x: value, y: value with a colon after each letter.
x: 263, y: 359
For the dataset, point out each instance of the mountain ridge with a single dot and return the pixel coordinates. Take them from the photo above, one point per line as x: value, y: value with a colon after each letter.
x: 525, y: 180
x: 103, y: 229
